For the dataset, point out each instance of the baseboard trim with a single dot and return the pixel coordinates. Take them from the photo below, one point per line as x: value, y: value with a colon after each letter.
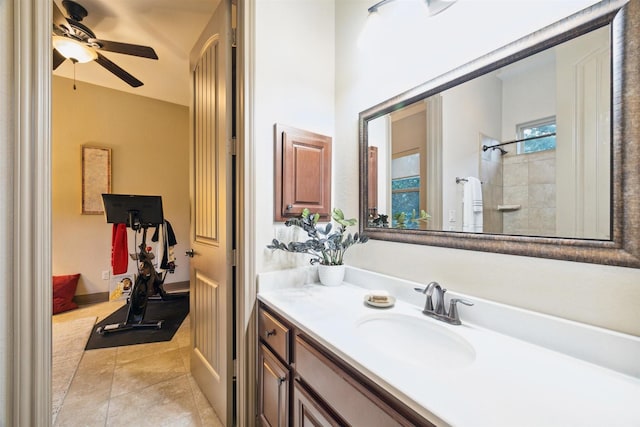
x: 91, y: 298
x: 97, y: 297
x: 176, y: 286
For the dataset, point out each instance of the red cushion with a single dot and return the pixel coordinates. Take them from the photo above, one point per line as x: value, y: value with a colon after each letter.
x: 64, y: 288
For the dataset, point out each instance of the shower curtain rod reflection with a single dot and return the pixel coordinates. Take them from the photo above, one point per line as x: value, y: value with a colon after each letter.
x: 495, y: 147
x: 463, y: 180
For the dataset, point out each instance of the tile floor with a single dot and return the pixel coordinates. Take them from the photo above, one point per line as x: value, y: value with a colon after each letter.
x: 137, y: 385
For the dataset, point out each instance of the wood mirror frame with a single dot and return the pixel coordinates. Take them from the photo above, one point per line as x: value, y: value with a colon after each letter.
x: 624, y: 247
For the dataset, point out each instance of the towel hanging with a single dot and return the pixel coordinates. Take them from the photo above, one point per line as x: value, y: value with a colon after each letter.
x: 472, y: 217
x: 166, y: 239
x: 119, y: 249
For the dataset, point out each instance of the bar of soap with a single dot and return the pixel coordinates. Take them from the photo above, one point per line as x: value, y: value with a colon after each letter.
x: 379, y: 296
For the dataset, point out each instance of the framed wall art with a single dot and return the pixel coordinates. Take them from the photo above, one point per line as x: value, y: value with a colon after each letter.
x: 96, y: 178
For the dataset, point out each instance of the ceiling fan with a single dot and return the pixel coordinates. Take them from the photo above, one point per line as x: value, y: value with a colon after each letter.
x: 75, y: 41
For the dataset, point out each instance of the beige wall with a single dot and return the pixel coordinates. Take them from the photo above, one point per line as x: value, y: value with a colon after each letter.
x: 149, y: 140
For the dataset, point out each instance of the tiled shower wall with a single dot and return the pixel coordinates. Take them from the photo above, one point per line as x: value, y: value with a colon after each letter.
x: 529, y: 180
x: 492, y: 189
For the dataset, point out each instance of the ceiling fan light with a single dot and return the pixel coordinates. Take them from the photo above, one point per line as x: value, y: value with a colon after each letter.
x: 74, y: 50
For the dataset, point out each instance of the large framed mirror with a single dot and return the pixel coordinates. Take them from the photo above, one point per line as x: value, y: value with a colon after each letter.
x: 533, y: 149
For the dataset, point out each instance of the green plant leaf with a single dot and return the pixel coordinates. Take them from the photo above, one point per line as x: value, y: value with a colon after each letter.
x: 328, y: 228
x: 326, y: 244
x: 337, y: 214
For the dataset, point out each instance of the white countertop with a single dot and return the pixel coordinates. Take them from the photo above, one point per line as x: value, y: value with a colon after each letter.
x: 509, y: 383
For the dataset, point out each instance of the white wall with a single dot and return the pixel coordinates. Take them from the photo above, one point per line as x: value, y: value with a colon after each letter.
x: 467, y: 111
x: 407, y: 52
x: 537, y: 86
x: 293, y: 85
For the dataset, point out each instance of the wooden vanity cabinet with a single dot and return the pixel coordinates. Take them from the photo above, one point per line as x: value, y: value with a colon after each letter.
x: 310, y: 411
x: 350, y: 394
x: 274, y: 372
x: 317, y: 387
x: 274, y: 391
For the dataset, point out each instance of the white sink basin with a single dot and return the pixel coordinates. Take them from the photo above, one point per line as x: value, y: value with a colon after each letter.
x: 416, y: 341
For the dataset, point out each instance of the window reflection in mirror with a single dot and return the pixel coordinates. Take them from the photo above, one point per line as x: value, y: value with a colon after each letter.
x: 557, y: 185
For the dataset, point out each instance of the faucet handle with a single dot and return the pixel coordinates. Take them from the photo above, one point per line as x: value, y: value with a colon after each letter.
x: 453, y: 309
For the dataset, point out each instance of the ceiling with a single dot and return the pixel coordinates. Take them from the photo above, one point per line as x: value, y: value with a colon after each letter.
x: 170, y: 27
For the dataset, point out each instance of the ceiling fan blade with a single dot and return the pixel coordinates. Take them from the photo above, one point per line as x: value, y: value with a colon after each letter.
x: 128, y: 78
x: 58, y: 59
x: 126, y: 48
x: 59, y: 19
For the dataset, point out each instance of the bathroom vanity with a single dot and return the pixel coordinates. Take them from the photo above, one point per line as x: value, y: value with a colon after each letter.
x: 326, y: 358
x: 303, y: 383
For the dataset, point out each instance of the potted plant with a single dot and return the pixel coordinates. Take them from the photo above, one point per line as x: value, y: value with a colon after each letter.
x: 326, y: 245
x: 413, y: 221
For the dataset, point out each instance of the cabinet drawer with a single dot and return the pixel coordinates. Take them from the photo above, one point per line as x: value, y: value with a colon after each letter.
x: 275, y: 334
x: 357, y: 404
x: 309, y: 412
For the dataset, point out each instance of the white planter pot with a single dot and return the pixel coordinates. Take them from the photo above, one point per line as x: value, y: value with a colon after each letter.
x: 331, y: 275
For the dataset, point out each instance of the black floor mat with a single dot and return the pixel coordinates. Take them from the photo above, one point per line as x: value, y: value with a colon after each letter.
x: 172, y: 311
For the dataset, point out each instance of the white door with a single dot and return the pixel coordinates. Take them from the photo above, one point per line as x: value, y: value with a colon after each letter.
x: 211, y: 215
x: 583, y: 141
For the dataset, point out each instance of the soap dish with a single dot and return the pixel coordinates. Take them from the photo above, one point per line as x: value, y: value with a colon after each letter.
x: 391, y: 301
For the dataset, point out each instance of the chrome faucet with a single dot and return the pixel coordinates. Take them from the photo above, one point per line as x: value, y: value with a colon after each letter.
x: 439, y: 311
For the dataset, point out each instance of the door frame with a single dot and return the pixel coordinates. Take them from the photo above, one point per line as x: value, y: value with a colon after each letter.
x: 246, y: 289
x: 27, y: 278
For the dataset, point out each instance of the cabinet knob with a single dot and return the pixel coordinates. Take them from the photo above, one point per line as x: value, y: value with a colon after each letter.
x: 271, y: 332
x: 289, y: 207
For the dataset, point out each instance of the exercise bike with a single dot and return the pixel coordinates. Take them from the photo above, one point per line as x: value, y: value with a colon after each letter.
x: 148, y: 281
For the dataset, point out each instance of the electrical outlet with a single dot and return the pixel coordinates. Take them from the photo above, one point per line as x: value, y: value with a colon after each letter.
x: 105, y: 275
x: 452, y: 215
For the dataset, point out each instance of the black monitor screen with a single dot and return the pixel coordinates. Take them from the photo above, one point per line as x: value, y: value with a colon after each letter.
x: 144, y: 211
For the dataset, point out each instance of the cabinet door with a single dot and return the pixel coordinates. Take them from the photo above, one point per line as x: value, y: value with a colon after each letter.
x: 273, y: 390
x: 308, y: 412
x: 302, y: 173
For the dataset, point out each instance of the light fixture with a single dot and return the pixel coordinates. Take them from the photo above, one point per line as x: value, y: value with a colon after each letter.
x: 434, y: 7
x: 375, y: 7
x: 74, y: 50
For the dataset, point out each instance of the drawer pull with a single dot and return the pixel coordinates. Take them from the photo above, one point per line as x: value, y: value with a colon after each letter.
x: 271, y: 332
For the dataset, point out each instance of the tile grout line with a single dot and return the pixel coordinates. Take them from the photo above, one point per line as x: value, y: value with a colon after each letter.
x: 113, y: 374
